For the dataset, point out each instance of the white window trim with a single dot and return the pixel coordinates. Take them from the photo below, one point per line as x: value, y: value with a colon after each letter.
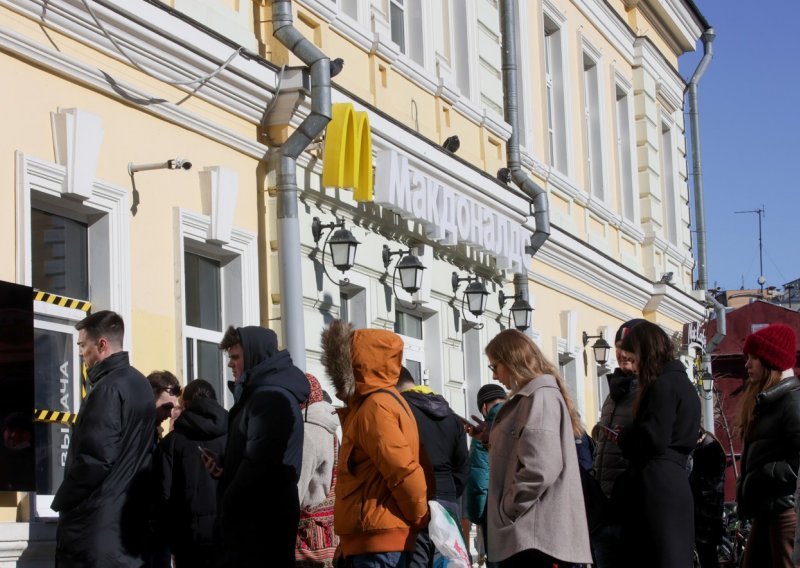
x: 670, y: 166
x: 624, y: 85
x: 37, y: 176
x: 197, y: 228
x: 552, y: 12
x: 596, y: 56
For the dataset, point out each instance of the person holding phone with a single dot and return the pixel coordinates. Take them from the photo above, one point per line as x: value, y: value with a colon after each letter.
x: 186, y: 503
x: 490, y: 399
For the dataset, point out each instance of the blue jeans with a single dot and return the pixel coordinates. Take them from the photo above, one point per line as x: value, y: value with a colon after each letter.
x: 380, y: 560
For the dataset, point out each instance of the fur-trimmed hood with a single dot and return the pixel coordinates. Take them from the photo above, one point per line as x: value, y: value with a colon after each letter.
x: 336, y: 340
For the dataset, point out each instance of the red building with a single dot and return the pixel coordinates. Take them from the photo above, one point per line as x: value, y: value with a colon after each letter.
x: 730, y: 375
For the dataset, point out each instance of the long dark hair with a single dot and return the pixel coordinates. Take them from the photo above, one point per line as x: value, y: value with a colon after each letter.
x: 652, y: 349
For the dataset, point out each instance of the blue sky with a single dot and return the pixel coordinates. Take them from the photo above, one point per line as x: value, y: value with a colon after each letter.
x: 750, y: 140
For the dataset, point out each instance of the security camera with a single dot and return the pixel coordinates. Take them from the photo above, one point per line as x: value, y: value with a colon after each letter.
x: 179, y: 163
x: 173, y: 164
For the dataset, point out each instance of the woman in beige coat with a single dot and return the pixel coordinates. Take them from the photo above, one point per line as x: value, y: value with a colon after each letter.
x: 535, y: 509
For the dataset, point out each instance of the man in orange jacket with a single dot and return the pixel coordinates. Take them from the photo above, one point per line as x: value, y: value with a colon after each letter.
x: 381, y: 496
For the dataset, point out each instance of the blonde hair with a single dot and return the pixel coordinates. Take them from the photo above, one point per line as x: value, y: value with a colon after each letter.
x: 753, y: 387
x: 525, y: 361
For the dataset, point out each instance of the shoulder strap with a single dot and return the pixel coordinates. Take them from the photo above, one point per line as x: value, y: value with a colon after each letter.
x: 397, y: 398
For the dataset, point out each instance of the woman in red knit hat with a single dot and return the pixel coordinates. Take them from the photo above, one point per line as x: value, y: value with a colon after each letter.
x: 769, y: 423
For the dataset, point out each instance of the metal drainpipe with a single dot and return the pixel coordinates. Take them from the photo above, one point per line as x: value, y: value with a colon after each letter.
x: 283, y: 161
x: 700, y: 222
x: 537, y: 194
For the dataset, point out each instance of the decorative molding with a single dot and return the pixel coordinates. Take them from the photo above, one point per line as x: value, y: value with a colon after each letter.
x: 160, y: 41
x: 77, y: 137
x: 219, y: 188
x: 36, y: 176
x: 608, y: 23
x: 65, y: 65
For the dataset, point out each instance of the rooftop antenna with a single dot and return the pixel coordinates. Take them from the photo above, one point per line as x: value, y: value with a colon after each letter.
x: 761, y: 280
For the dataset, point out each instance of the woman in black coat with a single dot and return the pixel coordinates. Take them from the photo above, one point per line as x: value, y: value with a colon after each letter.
x: 187, y: 500
x: 658, y: 523
x: 769, y: 420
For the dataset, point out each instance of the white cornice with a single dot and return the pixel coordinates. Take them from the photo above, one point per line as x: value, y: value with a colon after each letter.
x: 609, y: 24
x: 673, y: 22
x: 573, y: 257
x: 650, y: 58
x: 64, y: 65
x: 165, y: 44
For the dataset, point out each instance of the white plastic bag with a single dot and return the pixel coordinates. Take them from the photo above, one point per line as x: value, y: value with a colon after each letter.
x: 446, y: 536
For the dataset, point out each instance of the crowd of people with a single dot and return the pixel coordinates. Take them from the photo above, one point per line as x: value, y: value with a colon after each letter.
x: 270, y: 483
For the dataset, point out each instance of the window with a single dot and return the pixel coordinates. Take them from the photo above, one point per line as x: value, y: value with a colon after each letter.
x: 353, y: 306
x: 64, y: 247
x: 405, y: 20
x: 219, y: 288
x: 568, y: 369
x: 591, y: 102
x: 462, y: 49
x: 624, y: 153
x: 554, y: 86
x: 203, y: 293
x: 350, y: 7
x: 668, y: 185
x: 408, y: 324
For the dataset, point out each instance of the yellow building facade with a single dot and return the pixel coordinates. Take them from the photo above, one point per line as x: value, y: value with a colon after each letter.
x: 109, y: 102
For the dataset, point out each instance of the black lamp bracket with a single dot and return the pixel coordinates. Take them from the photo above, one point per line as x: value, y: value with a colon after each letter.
x: 456, y: 280
x: 317, y: 227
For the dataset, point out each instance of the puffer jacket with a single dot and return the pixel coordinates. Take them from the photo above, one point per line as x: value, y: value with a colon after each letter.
x: 381, y: 490
x: 187, y: 495
x: 617, y: 410
x: 443, y: 440
x: 478, y: 482
x: 771, y: 455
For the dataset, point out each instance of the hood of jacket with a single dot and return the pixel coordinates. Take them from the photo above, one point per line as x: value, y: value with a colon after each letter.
x: 377, y: 356
x: 265, y: 365
x: 433, y: 405
x: 205, y: 419
x: 336, y: 359
x: 323, y: 415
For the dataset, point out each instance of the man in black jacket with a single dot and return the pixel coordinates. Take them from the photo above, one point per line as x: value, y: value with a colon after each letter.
x: 103, y: 499
x: 443, y: 451
x: 259, y: 507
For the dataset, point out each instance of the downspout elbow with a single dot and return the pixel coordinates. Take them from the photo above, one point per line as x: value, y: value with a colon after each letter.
x: 320, y: 74
x: 707, y: 37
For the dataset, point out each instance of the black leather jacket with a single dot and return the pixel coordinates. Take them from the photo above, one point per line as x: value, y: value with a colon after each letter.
x: 771, y: 456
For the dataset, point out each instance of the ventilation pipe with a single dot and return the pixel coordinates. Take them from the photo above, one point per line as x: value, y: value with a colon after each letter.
x: 283, y: 161
x: 700, y: 222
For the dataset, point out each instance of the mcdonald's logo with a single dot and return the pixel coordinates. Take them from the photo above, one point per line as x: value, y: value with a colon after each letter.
x: 347, y: 162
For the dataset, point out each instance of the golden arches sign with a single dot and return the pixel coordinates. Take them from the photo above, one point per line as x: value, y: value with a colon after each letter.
x: 347, y: 162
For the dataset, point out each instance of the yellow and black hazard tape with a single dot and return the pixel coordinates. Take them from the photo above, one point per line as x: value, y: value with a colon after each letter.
x: 63, y: 301
x: 55, y: 416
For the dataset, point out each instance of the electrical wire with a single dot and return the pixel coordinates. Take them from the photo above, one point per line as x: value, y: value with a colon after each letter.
x: 200, y: 81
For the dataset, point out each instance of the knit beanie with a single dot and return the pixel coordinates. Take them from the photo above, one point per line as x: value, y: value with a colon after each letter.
x: 774, y: 345
x: 490, y: 392
x: 625, y: 328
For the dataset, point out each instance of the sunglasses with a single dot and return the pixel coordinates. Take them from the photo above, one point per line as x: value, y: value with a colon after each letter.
x: 492, y: 368
x: 174, y: 391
